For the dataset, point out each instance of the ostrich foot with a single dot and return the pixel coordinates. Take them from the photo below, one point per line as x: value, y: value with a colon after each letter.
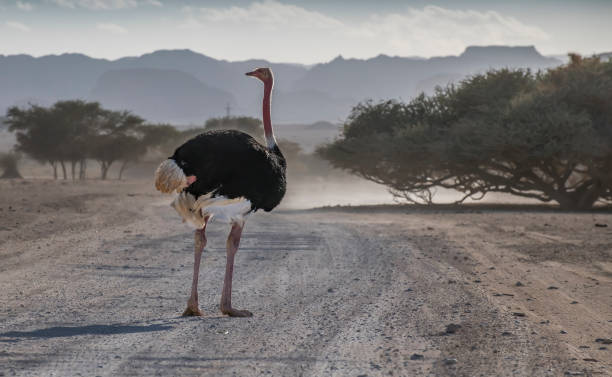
x: 236, y: 313
x: 192, y: 311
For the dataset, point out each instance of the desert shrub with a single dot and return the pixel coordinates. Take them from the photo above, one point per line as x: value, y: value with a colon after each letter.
x: 8, y: 165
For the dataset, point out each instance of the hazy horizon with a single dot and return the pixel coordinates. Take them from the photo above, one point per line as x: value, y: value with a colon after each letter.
x: 281, y: 62
x: 297, y: 31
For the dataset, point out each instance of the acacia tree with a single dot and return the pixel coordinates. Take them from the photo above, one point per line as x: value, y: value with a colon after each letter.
x: 78, y: 118
x: 546, y: 136
x: 160, y: 139
x: 74, y: 131
x: 116, y: 139
x: 56, y: 135
x: 38, y: 134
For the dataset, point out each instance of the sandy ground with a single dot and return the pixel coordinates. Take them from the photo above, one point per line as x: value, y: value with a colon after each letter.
x: 93, y: 278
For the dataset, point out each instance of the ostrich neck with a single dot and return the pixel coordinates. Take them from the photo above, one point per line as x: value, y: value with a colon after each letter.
x: 267, y: 123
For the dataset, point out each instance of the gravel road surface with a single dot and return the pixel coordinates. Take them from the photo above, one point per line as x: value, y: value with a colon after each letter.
x: 95, y: 287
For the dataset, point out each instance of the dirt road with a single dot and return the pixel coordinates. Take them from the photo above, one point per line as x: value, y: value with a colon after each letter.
x: 94, y: 278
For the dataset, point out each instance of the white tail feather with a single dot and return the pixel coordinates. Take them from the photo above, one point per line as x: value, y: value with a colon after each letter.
x: 170, y: 177
x: 195, y: 211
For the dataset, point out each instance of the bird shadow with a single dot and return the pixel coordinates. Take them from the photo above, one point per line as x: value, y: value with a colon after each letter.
x: 68, y: 331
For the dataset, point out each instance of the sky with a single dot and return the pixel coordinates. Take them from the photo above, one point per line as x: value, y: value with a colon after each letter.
x: 301, y: 31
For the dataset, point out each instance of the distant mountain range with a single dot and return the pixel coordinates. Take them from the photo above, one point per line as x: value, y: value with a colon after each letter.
x: 185, y: 87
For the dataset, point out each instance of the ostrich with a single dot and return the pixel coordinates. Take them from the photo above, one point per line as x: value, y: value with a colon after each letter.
x: 224, y: 175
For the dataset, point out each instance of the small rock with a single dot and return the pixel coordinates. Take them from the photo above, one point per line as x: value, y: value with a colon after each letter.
x: 449, y: 361
x: 519, y: 314
x: 452, y: 328
x: 590, y: 359
x: 330, y: 290
x: 563, y: 332
x: 574, y: 302
x: 552, y: 287
x: 601, y: 225
x: 519, y: 284
x: 477, y: 281
x: 503, y: 294
x: 416, y: 356
x: 506, y: 333
x: 604, y: 340
x: 576, y: 373
x: 602, y: 348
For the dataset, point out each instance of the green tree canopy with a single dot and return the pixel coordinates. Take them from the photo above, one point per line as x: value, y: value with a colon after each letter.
x: 546, y: 136
x: 118, y: 137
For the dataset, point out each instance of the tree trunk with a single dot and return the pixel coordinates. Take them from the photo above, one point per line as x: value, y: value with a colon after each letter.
x: 104, y: 169
x: 64, y: 169
x: 73, y: 169
x: 584, y: 198
x: 54, y: 166
x: 123, y: 165
x: 82, y: 169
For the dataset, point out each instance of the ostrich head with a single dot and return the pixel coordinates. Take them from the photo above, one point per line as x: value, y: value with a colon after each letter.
x: 264, y: 74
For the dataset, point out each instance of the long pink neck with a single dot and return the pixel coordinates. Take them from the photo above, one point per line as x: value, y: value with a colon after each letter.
x: 267, y: 122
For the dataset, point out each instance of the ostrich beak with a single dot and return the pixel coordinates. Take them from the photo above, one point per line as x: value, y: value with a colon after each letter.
x: 253, y: 73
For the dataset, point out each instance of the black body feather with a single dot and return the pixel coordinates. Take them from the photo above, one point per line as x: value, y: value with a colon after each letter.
x: 233, y: 164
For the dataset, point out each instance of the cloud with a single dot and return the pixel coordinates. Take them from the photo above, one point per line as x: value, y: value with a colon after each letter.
x: 17, y: 26
x: 105, y: 4
x: 24, y: 6
x: 271, y: 15
x: 111, y: 28
x: 303, y: 34
x: 425, y: 31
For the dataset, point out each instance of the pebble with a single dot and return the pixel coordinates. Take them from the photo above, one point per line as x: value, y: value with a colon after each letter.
x: 450, y: 361
x: 519, y: 314
x: 416, y: 356
x: 552, y: 287
x: 452, y: 328
x: 603, y: 340
x: 519, y: 284
x: 563, y: 332
x: 601, y: 225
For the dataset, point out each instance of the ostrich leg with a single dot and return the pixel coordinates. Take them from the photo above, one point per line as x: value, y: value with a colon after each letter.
x: 200, y: 243
x: 233, y: 241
